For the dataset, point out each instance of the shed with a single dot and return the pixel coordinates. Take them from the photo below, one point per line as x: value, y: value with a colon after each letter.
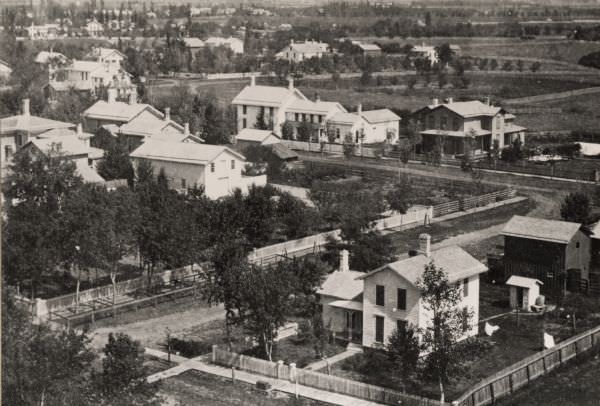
x: 523, y: 291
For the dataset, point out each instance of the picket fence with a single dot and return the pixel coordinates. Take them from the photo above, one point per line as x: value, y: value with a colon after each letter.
x: 318, y: 380
x: 520, y: 374
x: 472, y: 202
x: 359, y: 149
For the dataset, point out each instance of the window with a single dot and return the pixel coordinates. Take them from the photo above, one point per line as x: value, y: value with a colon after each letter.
x: 8, y: 151
x: 244, y: 123
x: 244, y: 109
x: 401, y: 326
x: 466, y: 287
x: 465, y: 319
x: 183, y: 185
x: 320, y: 119
x: 577, y: 244
x: 303, y: 117
x: 233, y: 164
x: 379, y: 329
x: 455, y: 124
x: 337, y: 133
x: 296, y: 117
x: 270, y: 111
x: 212, y: 167
x: 444, y: 122
x: 19, y: 140
x: 312, y: 118
x: 401, y: 299
x: 380, y: 295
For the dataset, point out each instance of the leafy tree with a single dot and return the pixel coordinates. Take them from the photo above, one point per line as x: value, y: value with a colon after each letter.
x: 261, y: 121
x: 445, y: 54
x: 295, y: 217
x: 520, y: 65
x: 399, y: 198
x: 493, y: 64
x: 116, y: 163
x: 366, y: 78
x: 259, y: 207
x: 576, y: 207
x: 305, y: 131
x: 447, y: 326
x: 348, y: 146
x: 123, y: 364
x: 370, y: 250
x: 513, y: 152
x: 403, y: 351
x: 287, y: 131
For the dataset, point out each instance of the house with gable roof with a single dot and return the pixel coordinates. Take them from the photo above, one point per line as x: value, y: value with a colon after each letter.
x: 299, y: 51
x: 107, y: 56
x: 455, y: 123
x: 552, y: 251
x: 372, y: 126
x: 216, y: 168
x: 389, y: 298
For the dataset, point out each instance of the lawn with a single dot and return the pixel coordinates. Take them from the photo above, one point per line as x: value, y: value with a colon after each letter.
x: 292, y: 349
x: 198, y: 388
x: 575, y: 384
x: 483, y: 356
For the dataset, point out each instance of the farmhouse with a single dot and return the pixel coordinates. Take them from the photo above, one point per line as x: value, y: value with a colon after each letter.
x: 367, y: 127
x: 453, y: 125
x: 91, y: 76
x: 390, y: 299
x: 299, y: 51
x: 217, y: 169
x: 547, y: 250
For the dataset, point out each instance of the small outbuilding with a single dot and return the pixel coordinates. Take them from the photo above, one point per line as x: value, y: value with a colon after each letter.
x: 523, y: 292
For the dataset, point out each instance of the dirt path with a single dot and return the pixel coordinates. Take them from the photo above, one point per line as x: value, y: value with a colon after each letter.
x: 152, y: 330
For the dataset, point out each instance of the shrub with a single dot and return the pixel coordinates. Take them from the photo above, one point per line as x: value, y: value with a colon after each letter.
x: 189, y: 348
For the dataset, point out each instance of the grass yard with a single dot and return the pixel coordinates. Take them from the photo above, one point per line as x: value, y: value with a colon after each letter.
x: 483, y: 357
x: 575, y: 384
x: 197, y: 388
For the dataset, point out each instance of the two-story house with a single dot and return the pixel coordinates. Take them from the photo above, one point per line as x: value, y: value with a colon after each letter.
x: 317, y: 113
x: 365, y: 127
x: 453, y: 124
x: 271, y: 101
x: 215, y: 168
x: 299, y: 51
x: 108, y: 56
x: 390, y: 298
x: 549, y: 250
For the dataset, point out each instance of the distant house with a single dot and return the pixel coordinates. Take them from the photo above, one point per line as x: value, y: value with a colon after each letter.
x: 317, y: 113
x: 193, y: 44
x: 427, y: 52
x: 217, y: 169
x: 45, y: 58
x: 107, y: 56
x: 42, y: 32
x: 369, y: 307
x: 299, y: 51
x: 91, y: 76
x: 16, y: 131
x: 368, y: 49
x: 5, y: 71
x: 549, y: 250
x: 235, y: 44
x: 371, y: 126
x: 135, y: 121
x: 94, y: 29
x: 250, y: 137
x: 452, y: 124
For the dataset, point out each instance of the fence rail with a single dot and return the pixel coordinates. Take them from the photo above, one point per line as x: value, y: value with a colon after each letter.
x: 318, y: 380
x: 472, y: 202
x: 508, y: 380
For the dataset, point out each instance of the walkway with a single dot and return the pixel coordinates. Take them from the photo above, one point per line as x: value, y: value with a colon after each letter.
x: 317, y: 365
x: 199, y: 364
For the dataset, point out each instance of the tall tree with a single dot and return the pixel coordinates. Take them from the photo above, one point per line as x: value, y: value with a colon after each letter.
x: 448, y: 324
x: 403, y: 351
x: 576, y: 207
x: 116, y: 163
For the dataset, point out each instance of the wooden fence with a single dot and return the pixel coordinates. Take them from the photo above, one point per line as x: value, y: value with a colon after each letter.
x: 520, y: 374
x: 472, y: 202
x: 318, y: 380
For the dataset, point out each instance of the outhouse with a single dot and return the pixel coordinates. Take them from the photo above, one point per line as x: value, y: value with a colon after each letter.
x: 523, y: 292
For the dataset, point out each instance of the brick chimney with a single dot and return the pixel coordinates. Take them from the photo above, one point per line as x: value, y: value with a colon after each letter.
x: 450, y: 100
x: 167, y: 113
x: 133, y: 97
x: 111, y: 95
x: 359, y: 109
x: 25, y: 107
x: 79, y: 130
x: 425, y: 244
x: 344, y: 263
x: 186, y: 129
x: 252, y: 80
x: 435, y: 102
x: 291, y: 83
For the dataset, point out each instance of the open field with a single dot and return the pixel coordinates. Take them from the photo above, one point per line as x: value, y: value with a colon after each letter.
x: 576, y: 384
x: 197, y: 388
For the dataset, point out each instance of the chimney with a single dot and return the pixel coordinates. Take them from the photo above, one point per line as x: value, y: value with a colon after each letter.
x: 133, y: 97
x: 25, y: 107
x: 186, y: 129
x: 167, y: 113
x: 344, y: 264
x: 292, y: 41
x: 111, y: 95
x: 450, y: 100
x: 79, y: 130
x: 252, y: 80
x: 425, y: 244
x: 317, y: 97
x: 487, y: 100
x: 291, y: 83
x: 359, y: 109
x: 435, y: 102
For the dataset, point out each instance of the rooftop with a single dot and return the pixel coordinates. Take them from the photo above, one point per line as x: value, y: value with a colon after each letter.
x: 541, y: 229
x: 45, y: 56
x: 252, y: 134
x: 148, y: 127
x: 344, y: 285
x: 69, y: 145
x: 314, y: 107
x: 449, y: 133
x: 28, y: 123
x: 455, y: 261
x: 522, y: 282
x: 192, y: 42
x: 118, y: 111
x: 345, y: 118
x: 309, y: 47
x: 272, y: 96
x: 380, y: 116
x: 472, y: 108
x: 184, y: 152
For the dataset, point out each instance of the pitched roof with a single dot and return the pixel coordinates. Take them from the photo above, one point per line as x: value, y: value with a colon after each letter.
x: 380, y: 116
x: 455, y: 261
x: 523, y: 282
x: 283, y: 152
x: 254, y: 135
x: 88, y: 174
x: 513, y: 128
x: 368, y: 47
x: 450, y: 133
x: 61, y: 132
x: 145, y: 127
x: 345, y: 118
x: 471, y: 108
x: 595, y: 230
x: 69, y: 145
x: 29, y: 123
x: 104, y: 52
x: 314, y: 107
x: 272, y: 96
x: 342, y: 285
x: 45, y: 56
x: 86, y: 66
x: 118, y: 111
x: 309, y: 47
x: 192, y: 42
x: 184, y: 152
x: 541, y: 229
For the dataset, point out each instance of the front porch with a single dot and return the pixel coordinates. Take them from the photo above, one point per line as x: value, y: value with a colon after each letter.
x: 349, y: 325
x: 455, y: 143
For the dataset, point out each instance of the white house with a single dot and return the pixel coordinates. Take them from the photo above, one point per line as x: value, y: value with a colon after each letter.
x: 42, y: 32
x: 216, y: 168
x: 366, y: 127
x: 390, y: 299
x: 93, y: 28
x: 235, y: 44
x: 5, y: 71
x: 318, y: 113
x: 108, y: 56
x: 426, y: 51
x: 299, y: 51
x: 92, y: 75
x: 271, y: 100
x: 47, y: 57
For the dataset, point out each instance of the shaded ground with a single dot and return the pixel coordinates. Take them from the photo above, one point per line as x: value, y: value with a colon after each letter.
x: 575, y: 384
x: 197, y: 388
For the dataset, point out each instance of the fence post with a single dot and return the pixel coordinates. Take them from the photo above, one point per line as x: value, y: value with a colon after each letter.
x: 279, y: 368
x: 214, y: 354
x: 293, y: 376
